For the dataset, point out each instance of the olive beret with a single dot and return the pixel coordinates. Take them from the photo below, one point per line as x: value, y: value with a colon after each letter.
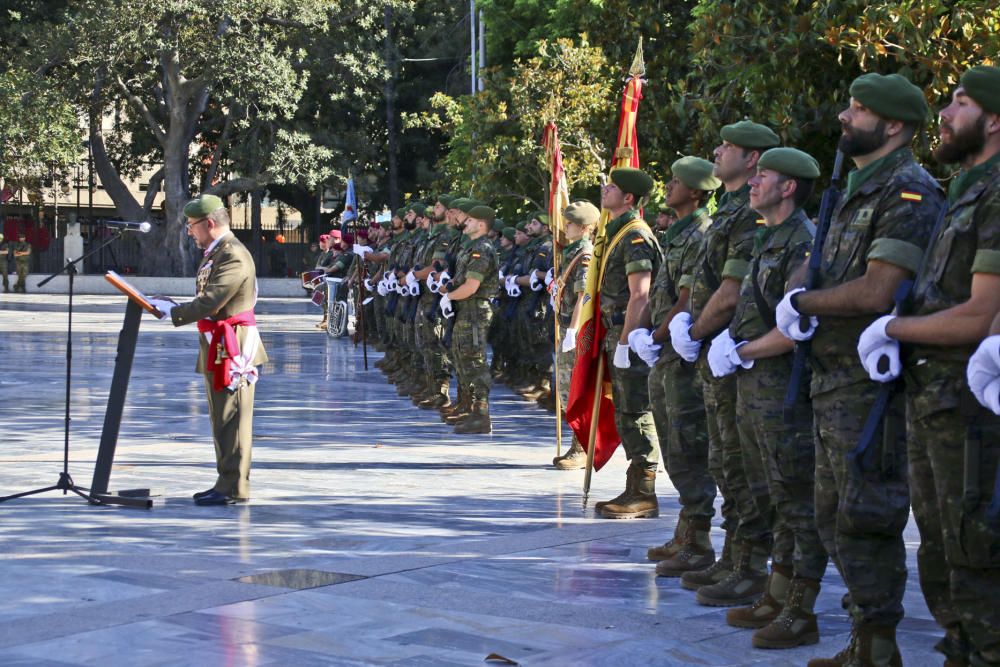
x: 445, y: 200
x: 540, y: 216
x: 457, y: 202
x: 790, y: 162
x: 400, y: 212
x: 891, y: 96
x: 748, y: 134
x: 520, y: 226
x: 498, y: 225
x: 385, y: 224
x: 418, y: 208
x: 582, y: 213
x: 468, y: 204
x: 696, y: 173
x: 632, y: 181
x: 508, y: 233
x: 481, y: 212
x: 982, y: 84
x: 202, y: 206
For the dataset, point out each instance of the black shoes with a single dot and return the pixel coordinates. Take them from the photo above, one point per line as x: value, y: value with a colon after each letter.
x: 202, y: 494
x: 213, y: 497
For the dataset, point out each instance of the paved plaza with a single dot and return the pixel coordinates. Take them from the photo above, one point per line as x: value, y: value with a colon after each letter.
x: 375, y: 536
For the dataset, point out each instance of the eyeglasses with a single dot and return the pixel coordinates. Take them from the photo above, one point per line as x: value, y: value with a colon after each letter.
x: 196, y: 222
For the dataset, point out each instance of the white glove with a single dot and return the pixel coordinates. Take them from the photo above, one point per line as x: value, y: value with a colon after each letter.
x: 410, y: 279
x: 360, y: 250
x: 414, y: 289
x: 534, y: 283
x: 642, y: 343
x: 983, y: 374
x: 382, y: 288
x: 164, y: 307
x: 621, y: 357
x: 569, y: 340
x: 391, y: 283
x: 446, y: 308
x: 680, y: 337
x: 401, y: 289
x: 432, y: 284
x: 501, y: 275
x: 873, y: 344
x: 550, y: 275
x: 368, y: 285
x: 513, y: 289
x: 788, y: 318
x: 720, y: 355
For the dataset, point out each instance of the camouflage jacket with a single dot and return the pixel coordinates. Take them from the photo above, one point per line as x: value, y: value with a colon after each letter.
x: 478, y: 261
x: 637, y: 252
x: 575, y: 282
x: 887, y: 217
x: 680, y: 244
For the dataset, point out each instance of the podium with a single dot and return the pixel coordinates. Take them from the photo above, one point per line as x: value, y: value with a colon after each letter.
x: 127, y: 339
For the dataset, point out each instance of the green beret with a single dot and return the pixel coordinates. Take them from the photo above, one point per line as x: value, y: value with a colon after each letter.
x: 696, y: 173
x: 632, y: 181
x: 582, y: 213
x: 418, y: 208
x: 400, y: 212
x: 520, y: 226
x: 748, y: 134
x: 445, y: 200
x: 202, y: 206
x: 457, y: 202
x: 891, y: 96
x: 982, y: 84
x: 467, y: 205
x: 790, y: 162
x: 385, y: 224
x: 481, y: 212
x: 498, y: 225
x: 508, y: 233
x: 540, y: 216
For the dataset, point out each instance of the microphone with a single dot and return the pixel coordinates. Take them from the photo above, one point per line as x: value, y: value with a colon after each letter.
x: 141, y: 227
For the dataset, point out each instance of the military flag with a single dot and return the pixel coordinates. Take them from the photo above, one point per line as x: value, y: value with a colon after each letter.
x: 350, y: 204
x: 590, y: 410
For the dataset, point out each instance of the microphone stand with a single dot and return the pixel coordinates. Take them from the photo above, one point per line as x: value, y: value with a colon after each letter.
x: 65, y: 482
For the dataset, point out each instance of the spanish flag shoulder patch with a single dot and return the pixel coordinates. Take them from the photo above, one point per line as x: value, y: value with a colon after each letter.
x: 910, y: 195
x: 637, y: 240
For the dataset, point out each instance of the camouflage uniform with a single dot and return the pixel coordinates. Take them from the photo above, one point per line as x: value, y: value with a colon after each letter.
x: 535, y: 318
x: 638, y: 251
x: 4, y: 252
x: 570, y: 287
x: 779, y: 457
x: 860, y: 517
x: 953, y: 466
x: 510, y: 307
x: 674, y: 387
x: 725, y: 253
x: 21, y: 265
x: 477, y: 260
x: 441, y: 243
x: 498, y: 337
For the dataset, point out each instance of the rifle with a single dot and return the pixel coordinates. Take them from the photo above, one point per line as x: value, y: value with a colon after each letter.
x: 862, y: 453
x: 831, y: 196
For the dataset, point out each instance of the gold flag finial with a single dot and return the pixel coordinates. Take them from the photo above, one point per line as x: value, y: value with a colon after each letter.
x: 638, y: 68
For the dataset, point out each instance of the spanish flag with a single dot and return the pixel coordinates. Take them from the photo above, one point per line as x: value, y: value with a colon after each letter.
x: 586, y: 402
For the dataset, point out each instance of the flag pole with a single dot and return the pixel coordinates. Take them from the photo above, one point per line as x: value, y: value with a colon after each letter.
x: 592, y: 438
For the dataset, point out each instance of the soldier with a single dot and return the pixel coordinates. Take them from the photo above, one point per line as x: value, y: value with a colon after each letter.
x: 953, y: 443
x: 4, y: 252
x: 223, y: 309
x: 875, y: 241
x: 581, y: 217
x: 674, y: 387
x: 631, y: 259
x: 467, y: 300
x: 518, y: 377
x: 739, y: 576
x: 533, y: 334
x: 776, y: 454
x: 22, y: 258
x: 499, y: 336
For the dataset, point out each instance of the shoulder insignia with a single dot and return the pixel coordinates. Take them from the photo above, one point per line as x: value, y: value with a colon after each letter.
x: 541, y: 254
x: 761, y: 221
x: 910, y: 195
x: 637, y: 240
x: 476, y: 255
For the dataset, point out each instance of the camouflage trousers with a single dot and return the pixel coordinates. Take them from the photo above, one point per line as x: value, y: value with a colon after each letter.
x: 861, y: 515
x: 780, y: 463
x: 468, y: 347
x: 564, y: 368
x: 427, y: 340
x: 725, y: 453
x: 679, y: 414
x: 630, y: 392
x: 951, y: 486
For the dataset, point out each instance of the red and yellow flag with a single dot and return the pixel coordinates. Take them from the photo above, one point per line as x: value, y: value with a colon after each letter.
x: 591, y: 361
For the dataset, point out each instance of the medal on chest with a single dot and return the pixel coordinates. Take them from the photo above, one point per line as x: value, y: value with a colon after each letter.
x: 201, y: 280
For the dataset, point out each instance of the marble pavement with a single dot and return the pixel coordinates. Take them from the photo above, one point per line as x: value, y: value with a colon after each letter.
x: 375, y: 536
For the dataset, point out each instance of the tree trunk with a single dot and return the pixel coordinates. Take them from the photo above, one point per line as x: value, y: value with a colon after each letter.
x: 390, y: 112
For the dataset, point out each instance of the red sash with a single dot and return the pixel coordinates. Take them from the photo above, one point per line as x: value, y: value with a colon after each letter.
x: 224, y: 339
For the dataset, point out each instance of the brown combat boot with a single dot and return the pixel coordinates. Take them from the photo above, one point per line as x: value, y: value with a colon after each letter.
x: 461, y: 402
x: 478, y: 420
x: 842, y: 658
x: 746, y: 582
x: 767, y: 607
x: 796, y: 624
x: 642, y: 504
x: 715, y: 572
x: 670, y: 548
x: 696, y: 554
x: 630, y: 482
x: 870, y: 645
x: 437, y: 399
x: 574, y: 459
x: 459, y: 414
